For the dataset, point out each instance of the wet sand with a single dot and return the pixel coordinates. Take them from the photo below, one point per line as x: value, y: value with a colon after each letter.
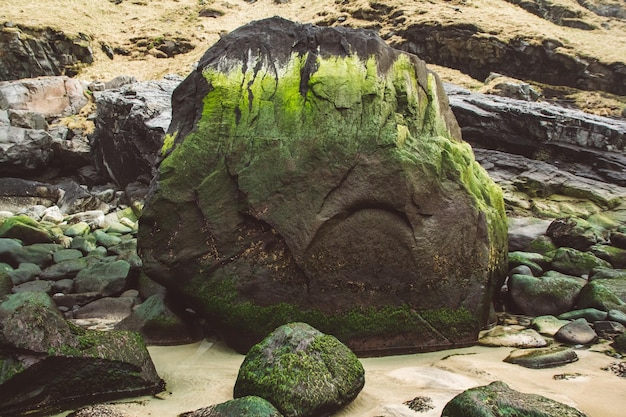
x: 204, y: 373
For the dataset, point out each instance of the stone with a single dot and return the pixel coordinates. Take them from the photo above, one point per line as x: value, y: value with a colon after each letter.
x: 618, y: 239
x: 578, y: 332
x: 512, y: 337
x: 616, y: 257
x: 617, y: 316
x: 604, y: 273
x: 590, y: 314
x: 598, y: 296
x: 25, y: 272
x: 107, y: 308
x: 574, y: 233
x: 84, y: 243
x: 66, y: 255
x: 93, y: 218
x: 25, y: 152
x: 37, y: 253
x: 74, y: 299
x: 524, y: 230
x: 77, y: 229
x: 63, y: 286
x: 105, y: 239
x: 549, y: 357
x: 159, y: 324
x: 535, y: 261
x: 34, y: 286
x: 25, y: 229
x: 342, y: 144
x: 50, y: 364
x: 27, y: 119
x: 574, y: 262
x: 608, y: 329
x: 17, y: 193
x: 53, y: 215
x: 106, y: 278
x: 249, y: 406
x: 498, y: 399
x: 6, y: 284
x: 131, y: 121
x: 545, y: 295
x: 548, y: 325
x: 64, y: 269
x: 301, y: 371
x: 620, y: 343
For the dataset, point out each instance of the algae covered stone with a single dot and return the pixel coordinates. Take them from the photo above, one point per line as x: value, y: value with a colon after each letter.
x: 498, y: 400
x: 301, y: 371
x: 249, y: 406
x: 47, y: 364
x: 316, y: 174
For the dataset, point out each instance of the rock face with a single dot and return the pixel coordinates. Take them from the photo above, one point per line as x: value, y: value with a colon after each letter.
x: 27, y: 52
x: 466, y: 47
x: 49, y: 364
x: 497, y: 399
x: 316, y: 174
x: 302, y: 371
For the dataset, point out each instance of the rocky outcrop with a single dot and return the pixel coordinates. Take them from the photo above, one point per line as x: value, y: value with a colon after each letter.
x: 33, y: 52
x: 464, y: 46
x: 49, y: 364
x: 564, y: 137
x: 308, y: 173
x: 301, y: 371
x: 248, y: 406
x: 130, y: 124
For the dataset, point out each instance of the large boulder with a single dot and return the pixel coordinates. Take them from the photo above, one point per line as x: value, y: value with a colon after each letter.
x: 316, y: 174
x: 301, y: 371
x: 49, y: 364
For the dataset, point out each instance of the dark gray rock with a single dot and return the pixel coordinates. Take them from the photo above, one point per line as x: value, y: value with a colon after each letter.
x: 497, y: 398
x: 613, y: 255
x: 37, y: 253
x: 524, y: 230
x: 130, y: 124
x: 27, y: 119
x: 578, y: 332
x: 608, y: 329
x: 617, y: 316
x: 301, y: 371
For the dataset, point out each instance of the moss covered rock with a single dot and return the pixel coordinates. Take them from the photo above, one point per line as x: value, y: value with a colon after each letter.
x: 48, y: 364
x: 25, y: 229
x: 249, y: 406
x: 498, y: 400
x: 316, y: 174
x: 302, y: 371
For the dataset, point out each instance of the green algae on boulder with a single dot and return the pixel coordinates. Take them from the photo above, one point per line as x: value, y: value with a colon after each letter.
x: 315, y: 174
x: 249, y: 406
x: 48, y: 364
x: 301, y: 371
x: 498, y: 400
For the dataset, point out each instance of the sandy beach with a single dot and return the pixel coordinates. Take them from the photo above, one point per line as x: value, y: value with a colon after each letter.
x: 204, y: 373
